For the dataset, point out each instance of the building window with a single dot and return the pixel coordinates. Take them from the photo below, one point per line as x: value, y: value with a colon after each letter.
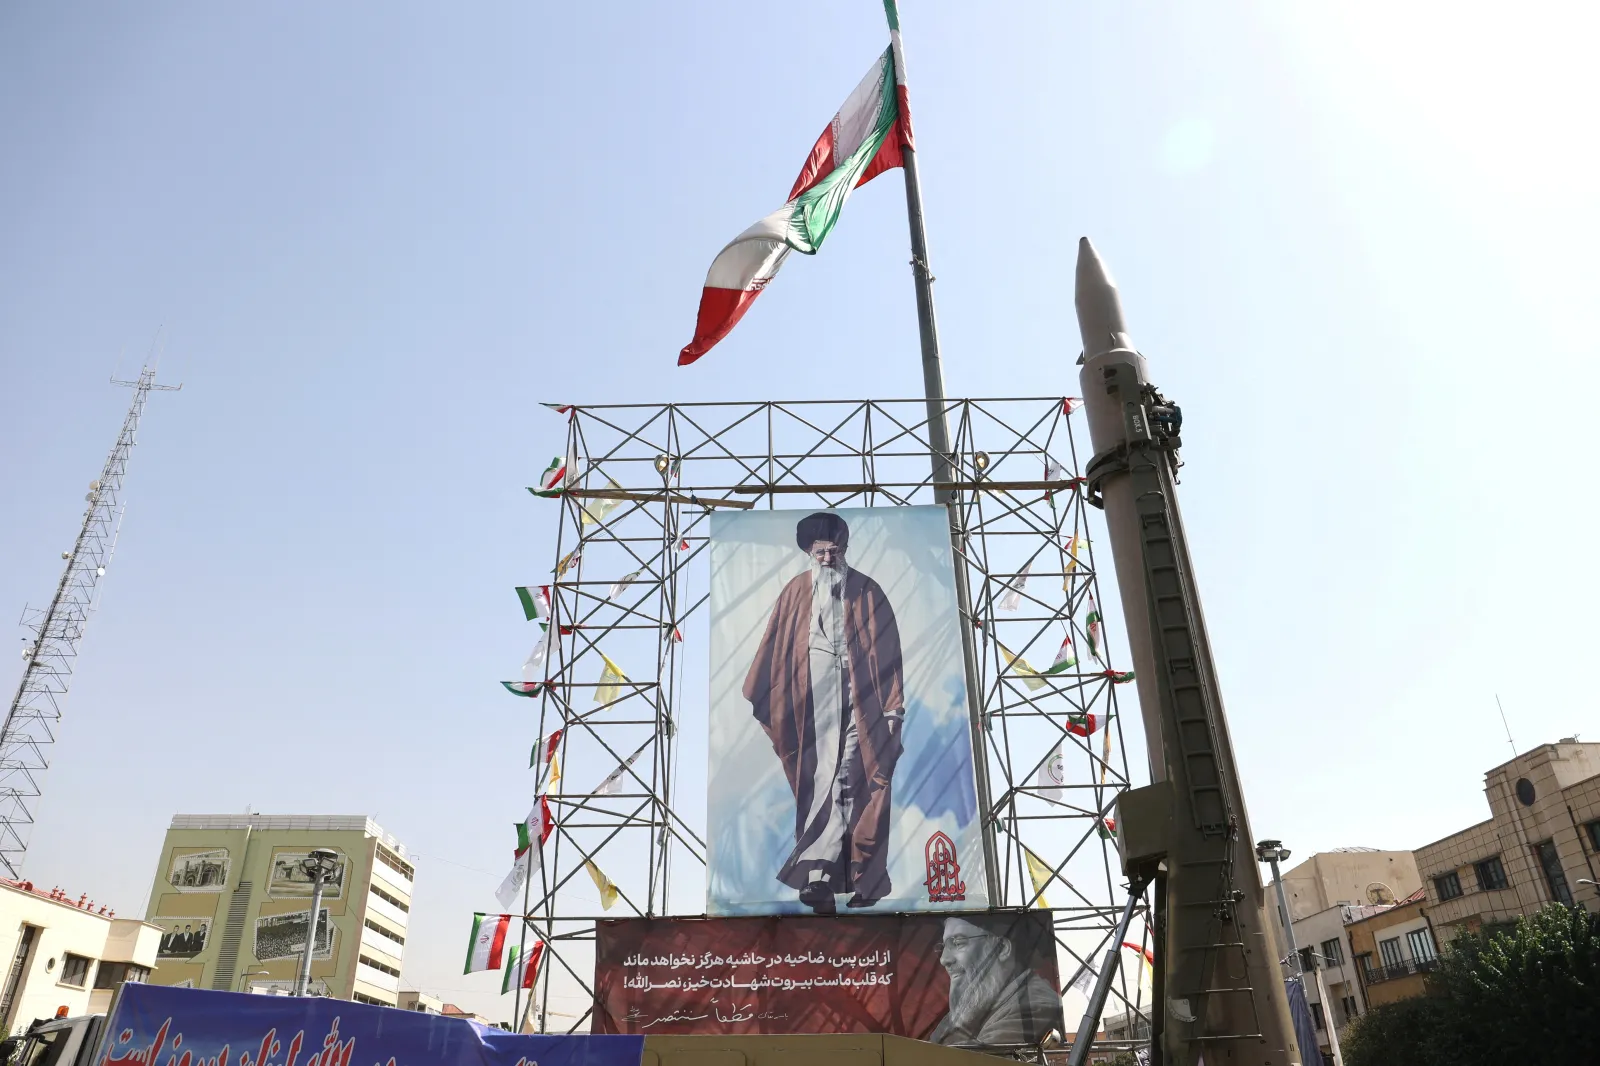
x: 376, y: 928
x: 74, y: 970
x: 1554, y: 876
x: 1333, y: 952
x: 1390, y: 950
x: 1594, y: 835
x: 1351, y: 1011
x: 359, y: 998
x: 1421, y: 943
x: 1448, y: 885
x: 1308, y: 960
x: 1491, y: 874
x: 396, y: 863
x: 382, y: 967
x: 391, y: 900
x: 112, y: 974
x: 1316, y: 1015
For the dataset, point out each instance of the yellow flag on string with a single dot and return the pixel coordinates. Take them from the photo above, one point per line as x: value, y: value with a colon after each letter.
x: 555, y: 772
x: 608, y: 889
x: 596, y: 510
x: 1040, y: 873
x: 611, y: 681
x: 1074, y: 546
x: 1019, y: 665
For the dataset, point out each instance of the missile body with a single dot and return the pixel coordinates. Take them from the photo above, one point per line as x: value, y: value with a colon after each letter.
x: 1219, y: 995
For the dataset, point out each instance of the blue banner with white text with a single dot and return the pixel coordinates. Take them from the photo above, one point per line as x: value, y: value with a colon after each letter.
x: 158, y: 1026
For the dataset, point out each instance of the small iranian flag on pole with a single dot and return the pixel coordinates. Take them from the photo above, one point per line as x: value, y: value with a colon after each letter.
x: 1095, y: 629
x: 523, y: 688
x: 522, y: 970
x: 545, y: 750
x: 535, y: 602
x: 486, y: 945
x: 862, y: 141
x: 1066, y: 658
x: 529, y: 860
x: 554, y: 479
x: 1082, y: 725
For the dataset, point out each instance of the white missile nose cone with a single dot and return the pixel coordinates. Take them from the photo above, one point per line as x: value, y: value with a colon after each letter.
x: 1099, y: 307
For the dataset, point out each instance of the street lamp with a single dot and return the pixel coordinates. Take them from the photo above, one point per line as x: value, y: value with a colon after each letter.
x: 245, y: 976
x: 319, y: 866
x: 1272, y: 852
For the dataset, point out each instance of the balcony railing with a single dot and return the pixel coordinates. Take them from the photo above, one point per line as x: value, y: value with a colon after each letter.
x: 1403, y: 968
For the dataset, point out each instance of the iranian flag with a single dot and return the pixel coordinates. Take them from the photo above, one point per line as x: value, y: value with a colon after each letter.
x: 862, y: 141
x: 554, y: 479
x: 486, y: 946
x: 535, y: 602
x: 522, y: 970
x: 529, y: 860
x: 1066, y: 658
x: 1082, y: 725
x: 1094, y: 626
x: 545, y: 750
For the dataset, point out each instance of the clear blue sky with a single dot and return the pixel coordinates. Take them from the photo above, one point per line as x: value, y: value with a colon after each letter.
x: 1355, y: 240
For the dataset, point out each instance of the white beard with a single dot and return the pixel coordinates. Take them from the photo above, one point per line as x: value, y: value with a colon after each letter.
x: 827, y: 605
x: 973, y: 996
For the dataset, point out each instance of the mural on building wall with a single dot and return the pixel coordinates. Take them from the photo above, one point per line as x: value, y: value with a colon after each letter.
x: 182, y: 938
x: 288, y: 878
x: 199, y: 871
x: 283, y: 936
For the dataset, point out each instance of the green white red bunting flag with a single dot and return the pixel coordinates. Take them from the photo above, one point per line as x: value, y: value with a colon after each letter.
x: 1071, y: 404
x: 522, y: 970
x: 529, y: 859
x: 1066, y: 658
x: 486, y: 945
x: 1095, y: 629
x: 535, y: 602
x: 1107, y: 829
x: 862, y: 141
x: 545, y: 750
x: 1082, y: 725
x: 553, y: 482
x: 524, y: 688
x: 560, y: 408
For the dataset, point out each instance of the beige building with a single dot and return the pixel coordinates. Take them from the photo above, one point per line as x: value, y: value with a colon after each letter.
x: 1325, y: 892
x: 1394, y: 951
x: 1541, y: 838
x: 66, y: 955
x: 233, y: 905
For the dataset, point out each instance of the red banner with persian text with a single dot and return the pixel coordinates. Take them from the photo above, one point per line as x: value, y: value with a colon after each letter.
x: 984, y: 979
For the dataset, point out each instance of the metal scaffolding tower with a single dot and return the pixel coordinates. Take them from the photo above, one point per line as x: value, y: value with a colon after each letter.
x: 30, y: 725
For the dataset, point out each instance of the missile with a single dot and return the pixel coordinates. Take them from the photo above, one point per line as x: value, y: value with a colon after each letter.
x: 1218, y: 996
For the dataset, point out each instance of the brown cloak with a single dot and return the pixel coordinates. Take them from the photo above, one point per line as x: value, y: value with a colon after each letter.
x: 779, y: 690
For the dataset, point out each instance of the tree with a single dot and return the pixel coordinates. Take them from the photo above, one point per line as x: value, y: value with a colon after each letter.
x: 1530, y: 996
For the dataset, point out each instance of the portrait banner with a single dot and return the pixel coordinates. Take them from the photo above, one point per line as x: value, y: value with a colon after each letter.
x: 978, y: 979
x: 841, y: 766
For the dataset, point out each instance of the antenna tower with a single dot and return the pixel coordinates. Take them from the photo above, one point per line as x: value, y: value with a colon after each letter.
x: 30, y: 725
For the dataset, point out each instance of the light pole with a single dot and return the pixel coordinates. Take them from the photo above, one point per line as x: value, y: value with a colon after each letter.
x: 1272, y: 852
x: 318, y: 866
x: 246, y: 976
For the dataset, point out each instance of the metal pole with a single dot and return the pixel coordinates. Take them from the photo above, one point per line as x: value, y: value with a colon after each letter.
x: 1283, y: 919
x: 1102, y: 985
x: 1327, y: 1015
x: 304, y: 978
x: 939, y: 439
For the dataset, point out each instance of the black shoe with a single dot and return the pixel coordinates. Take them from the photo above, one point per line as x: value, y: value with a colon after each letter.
x: 858, y: 901
x: 818, y: 895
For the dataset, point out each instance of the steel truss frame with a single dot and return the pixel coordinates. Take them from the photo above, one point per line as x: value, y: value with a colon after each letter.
x: 642, y: 480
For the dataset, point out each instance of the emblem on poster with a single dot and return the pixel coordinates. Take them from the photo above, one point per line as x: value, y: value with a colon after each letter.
x: 944, y: 871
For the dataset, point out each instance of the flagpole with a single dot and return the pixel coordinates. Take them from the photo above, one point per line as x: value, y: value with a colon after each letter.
x: 939, y: 440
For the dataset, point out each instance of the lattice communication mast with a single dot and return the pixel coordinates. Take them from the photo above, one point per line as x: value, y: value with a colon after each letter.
x: 52, y: 650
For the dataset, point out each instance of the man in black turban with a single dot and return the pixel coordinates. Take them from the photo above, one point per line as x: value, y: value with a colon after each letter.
x: 826, y: 686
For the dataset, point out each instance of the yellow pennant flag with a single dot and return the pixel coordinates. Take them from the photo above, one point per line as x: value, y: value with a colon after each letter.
x: 1030, y: 676
x: 1039, y: 873
x: 555, y: 773
x: 596, y: 510
x: 608, y: 890
x: 611, y: 681
x: 1074, y: 546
